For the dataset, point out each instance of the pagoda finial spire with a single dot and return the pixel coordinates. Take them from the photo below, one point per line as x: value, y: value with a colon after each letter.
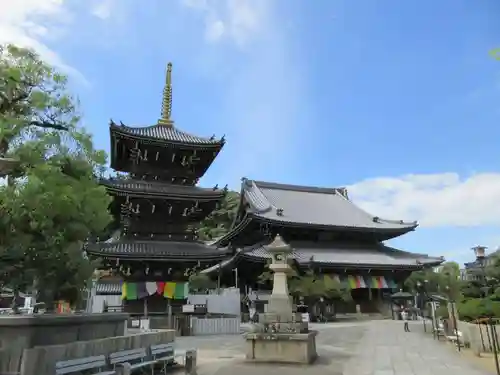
x: 166, y: 105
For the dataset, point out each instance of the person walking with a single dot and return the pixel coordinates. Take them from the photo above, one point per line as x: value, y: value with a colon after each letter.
x: 404, y: 318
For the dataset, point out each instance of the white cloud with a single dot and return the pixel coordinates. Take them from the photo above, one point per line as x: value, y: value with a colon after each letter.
x: 32, y: 23
x: 234, y: 20
x: 263, y: 103
x: 435, y: 200
x: 103, y: 8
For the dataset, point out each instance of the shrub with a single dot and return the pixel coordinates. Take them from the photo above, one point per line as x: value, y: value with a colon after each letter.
x: 475, y: 308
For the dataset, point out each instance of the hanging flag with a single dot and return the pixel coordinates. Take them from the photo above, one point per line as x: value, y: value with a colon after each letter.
x: 180, y: 291
x: 378, y: 282
x: 392, y: 284
x: 169, y: 290
x: 141, y: 290
x: 356, y: 282
x: 124, y: 290
x: 151, y: 288
x: 131, y: 291
x: 160, y: 287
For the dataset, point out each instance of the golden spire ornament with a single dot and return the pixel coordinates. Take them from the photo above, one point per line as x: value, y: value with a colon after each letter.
x: 166, y: 104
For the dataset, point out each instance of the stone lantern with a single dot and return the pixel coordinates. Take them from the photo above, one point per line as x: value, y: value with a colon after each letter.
x: 280, y: 336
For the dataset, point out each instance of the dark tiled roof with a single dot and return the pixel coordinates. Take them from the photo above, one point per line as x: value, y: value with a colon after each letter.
x: 162, y: 188
x: 225, y: 263
x: 108, y: 287
x: 306, y: 205
x: 166, y: 133
x: 333, y: 253
x: 158, y: 250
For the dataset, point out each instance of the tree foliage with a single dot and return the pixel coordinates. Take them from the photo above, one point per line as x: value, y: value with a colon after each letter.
x: 446, y: 280
x: 495, y: 53
x: 315, y: 286
x: 311, y: 285
x: 200, y: 283
x: 51, y: 202
x: 219, y: 221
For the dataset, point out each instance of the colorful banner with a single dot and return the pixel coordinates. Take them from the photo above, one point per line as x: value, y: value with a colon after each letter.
x: 356, y: 282
x: 172, y: 290
x: 372, y: 282
x: 377, y: 282
x: 169, y: 290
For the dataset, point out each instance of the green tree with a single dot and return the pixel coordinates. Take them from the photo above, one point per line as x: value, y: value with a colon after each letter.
x: 444, y: 281
x: 51, y: 202
x: 219, y: 222
x: 495, y: 53
x: 200, y: 283
x: 313, y: 286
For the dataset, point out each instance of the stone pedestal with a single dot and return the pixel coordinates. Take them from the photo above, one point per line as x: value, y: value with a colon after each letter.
x: 297, y: 348
x: 281, y: 336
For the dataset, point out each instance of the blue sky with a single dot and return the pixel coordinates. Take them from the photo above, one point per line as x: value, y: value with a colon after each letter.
x: 398, y: 100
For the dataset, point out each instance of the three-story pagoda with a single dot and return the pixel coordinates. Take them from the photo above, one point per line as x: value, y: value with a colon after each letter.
x: 158, y: 206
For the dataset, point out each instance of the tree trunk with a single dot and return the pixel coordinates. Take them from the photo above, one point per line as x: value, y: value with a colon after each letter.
x: 13, y: 305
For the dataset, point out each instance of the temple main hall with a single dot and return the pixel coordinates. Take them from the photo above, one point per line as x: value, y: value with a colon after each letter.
x: 328, y: 233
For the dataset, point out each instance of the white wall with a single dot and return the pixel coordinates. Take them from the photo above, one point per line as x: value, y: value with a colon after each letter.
x: 227, y: 302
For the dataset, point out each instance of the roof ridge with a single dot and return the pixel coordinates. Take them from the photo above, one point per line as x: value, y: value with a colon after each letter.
x: 165, y: 133
x: 172, y: 128
x: 377, y: 219
x: 261, y: 203
x: 388, y: 221
x: 301, y: 188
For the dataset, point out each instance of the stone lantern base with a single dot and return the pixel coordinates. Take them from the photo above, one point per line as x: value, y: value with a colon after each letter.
x: 298, y: 348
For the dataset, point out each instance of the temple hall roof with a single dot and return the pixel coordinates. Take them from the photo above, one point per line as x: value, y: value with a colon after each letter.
x: 152, y: 188
x: 357, y: 256
x: 157, y: 250
x: 371, y: 256
x: 313, y: 206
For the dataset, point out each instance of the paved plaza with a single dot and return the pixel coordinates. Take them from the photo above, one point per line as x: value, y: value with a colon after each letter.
x: 364, y: 348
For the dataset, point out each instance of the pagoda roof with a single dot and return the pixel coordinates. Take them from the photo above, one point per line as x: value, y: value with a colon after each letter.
x: 313, y: 206
x: 157, y: 250
x: 166, y: 133
x: 163, y: 189
x: 369, y: 256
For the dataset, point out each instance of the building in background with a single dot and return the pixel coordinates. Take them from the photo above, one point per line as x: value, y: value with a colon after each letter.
x: 473, y: 270
x: 328, y: 233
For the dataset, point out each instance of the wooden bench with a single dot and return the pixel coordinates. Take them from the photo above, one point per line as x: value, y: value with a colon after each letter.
x: 166, y: 355
x: 127, y: 361
x: 189, y: 360
x: 163, y: 354
x: 92, y: 365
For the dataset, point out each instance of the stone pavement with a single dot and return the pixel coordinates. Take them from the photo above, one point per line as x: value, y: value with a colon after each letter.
x: 387, y: 350
x: 364, y: 348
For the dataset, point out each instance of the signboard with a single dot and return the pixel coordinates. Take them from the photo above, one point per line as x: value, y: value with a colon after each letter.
x: 305, y: 317
x: 188, y: 308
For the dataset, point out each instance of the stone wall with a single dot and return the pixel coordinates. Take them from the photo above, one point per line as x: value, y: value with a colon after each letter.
x: 478, y: 336
x: 20, y: 332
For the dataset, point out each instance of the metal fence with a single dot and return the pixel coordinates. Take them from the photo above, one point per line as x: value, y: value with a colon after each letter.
x: 215, y: 326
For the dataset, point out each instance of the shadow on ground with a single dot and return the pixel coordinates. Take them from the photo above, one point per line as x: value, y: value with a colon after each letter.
x: 224, y: 355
